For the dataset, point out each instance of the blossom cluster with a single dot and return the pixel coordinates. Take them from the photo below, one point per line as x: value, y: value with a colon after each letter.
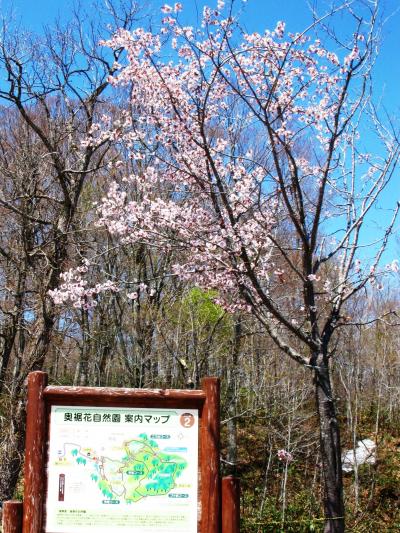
x: 284, y: 456
x: 75, y: 289
x: 200, y: 191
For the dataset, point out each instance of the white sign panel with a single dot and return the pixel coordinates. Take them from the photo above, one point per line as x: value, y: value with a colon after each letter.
x: 122, y: 469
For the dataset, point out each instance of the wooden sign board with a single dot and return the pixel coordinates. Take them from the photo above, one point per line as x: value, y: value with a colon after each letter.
x: 122, y: 468
x: 105, y: 459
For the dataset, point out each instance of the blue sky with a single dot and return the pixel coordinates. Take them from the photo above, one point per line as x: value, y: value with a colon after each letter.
x: 258, y: 15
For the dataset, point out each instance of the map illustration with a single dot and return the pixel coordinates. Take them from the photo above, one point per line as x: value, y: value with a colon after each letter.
x: 142, y: 471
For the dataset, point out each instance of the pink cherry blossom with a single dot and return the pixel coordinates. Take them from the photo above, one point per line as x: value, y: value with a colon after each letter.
x: 284, y: 456
x: 198, y: 195
x: 166, y: 8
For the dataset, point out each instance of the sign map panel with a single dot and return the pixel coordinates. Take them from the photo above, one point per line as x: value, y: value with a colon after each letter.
x: 122, y: 469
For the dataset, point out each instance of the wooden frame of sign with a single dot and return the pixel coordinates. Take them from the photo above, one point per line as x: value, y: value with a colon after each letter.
x: 218, y: 502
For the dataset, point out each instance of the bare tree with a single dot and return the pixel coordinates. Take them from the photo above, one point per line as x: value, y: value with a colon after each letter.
x: 54, y: 90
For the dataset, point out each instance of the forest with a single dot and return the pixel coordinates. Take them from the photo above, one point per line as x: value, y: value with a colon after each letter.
x: 180, y: 201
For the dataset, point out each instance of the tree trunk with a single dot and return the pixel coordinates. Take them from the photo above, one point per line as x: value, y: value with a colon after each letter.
x: 231, y: 401
x: 82, y: 374
x: 13, y: 432
x: 28, y: 357
x: 330, y: 449
x: 12, y: 449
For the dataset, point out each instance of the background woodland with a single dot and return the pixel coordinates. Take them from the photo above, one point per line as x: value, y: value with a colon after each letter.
x: 171, y: 333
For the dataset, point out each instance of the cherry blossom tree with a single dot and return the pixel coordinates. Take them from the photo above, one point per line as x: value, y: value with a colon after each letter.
x: 251, y: 172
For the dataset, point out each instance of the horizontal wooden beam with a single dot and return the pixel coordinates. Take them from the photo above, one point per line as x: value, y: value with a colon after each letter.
x: 121, y: 397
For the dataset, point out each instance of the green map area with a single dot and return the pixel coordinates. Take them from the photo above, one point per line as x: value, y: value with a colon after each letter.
x: 142, y: 471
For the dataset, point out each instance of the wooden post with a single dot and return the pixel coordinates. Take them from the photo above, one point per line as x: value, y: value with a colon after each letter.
x: 230, y: 504
x: 12, y: 517
x: 34, y: 453
x: 209, y: 453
